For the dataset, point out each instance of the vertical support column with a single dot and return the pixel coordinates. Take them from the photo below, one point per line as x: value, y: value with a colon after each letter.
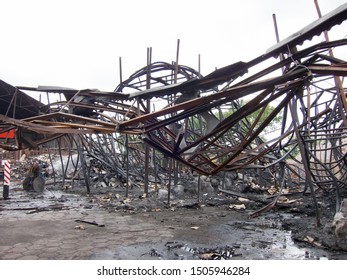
x: 83, y: 166
x: 148, y: 105
x: 277, y: 35
x: 305, y: 160
x: 176, y: 172
x: 51, y: 161
x: 175, y: 163
x: 127, y: 161
x: 126, y: 136
x: 120, y: 71
x: 155, y: 173
x: 199, y: 64
x: 169, y: 186
x: 176, y: 63
x: 199, y: 187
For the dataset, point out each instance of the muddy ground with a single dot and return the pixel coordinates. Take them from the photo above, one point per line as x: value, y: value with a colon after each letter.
x: 215, y: 226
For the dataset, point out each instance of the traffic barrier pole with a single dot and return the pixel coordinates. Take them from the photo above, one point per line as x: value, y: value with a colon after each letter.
x: 7, y: 178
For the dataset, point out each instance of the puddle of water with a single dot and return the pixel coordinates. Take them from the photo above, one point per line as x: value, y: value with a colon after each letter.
x: 272, y: 244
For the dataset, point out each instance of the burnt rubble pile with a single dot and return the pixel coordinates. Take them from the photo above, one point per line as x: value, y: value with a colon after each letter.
x: 22, y: 168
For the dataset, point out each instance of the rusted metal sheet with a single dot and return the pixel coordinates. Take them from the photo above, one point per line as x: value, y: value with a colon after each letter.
x: 16, y: 103
x: 315, y: 28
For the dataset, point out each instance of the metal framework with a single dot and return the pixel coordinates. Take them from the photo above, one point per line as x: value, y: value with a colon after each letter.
x: 213, y: 123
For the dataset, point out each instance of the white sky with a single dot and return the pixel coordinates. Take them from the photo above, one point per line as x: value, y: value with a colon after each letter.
x: 77, y: 43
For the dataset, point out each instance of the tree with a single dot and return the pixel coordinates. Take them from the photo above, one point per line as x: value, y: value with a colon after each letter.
x: 247, y: 122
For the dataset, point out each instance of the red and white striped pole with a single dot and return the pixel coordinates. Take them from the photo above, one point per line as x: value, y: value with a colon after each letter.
x: 7, y: 178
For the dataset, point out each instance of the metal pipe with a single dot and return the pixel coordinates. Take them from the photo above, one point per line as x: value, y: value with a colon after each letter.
x: 169, y: 186
x: 148, y: 108
x: 176, y: 63
x: 277, y: 36
x: 199, y: 187
x: 120, y: 71
x: 127, y: 165
x: 305, y: 161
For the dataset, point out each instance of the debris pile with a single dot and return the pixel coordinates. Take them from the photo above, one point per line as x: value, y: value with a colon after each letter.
x: 23, y: 167
x: 216, y: 253
x: 339, y: 225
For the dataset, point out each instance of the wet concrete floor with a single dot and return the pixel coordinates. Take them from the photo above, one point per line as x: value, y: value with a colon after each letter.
x: 59, y: 225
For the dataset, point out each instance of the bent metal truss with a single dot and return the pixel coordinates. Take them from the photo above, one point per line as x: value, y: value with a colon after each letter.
x: 213, y: 123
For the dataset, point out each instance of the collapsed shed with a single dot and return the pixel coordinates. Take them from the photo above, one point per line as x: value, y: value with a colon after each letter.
x: 169, y: 117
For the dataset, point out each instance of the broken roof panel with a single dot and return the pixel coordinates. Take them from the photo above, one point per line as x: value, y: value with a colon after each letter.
x: 17, y: 104
x: 322, y: 24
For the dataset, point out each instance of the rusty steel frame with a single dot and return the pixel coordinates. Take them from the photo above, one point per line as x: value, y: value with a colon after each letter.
x: 178, y: 112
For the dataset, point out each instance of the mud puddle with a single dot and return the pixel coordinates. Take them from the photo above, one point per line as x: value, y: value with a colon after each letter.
x: 226, y: 238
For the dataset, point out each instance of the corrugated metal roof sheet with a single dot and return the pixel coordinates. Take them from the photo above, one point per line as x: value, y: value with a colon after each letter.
x: 315, y: 28
x: 17, y: 104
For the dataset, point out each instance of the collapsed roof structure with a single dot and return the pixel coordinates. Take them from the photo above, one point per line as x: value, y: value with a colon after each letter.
x: 209, y: 124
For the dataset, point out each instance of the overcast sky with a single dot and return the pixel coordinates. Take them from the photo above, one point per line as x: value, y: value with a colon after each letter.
x: 77, y: 43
